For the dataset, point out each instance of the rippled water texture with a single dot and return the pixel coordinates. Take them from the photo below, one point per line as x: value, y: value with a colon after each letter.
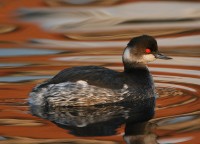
x: 38, y: 38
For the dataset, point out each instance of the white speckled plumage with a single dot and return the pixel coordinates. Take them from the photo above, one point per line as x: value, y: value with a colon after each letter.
x: 78, y: 93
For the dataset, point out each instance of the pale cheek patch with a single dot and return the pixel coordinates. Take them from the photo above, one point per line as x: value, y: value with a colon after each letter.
x: 148, y: 58
x: 127, y: 54
x: 128, y: 57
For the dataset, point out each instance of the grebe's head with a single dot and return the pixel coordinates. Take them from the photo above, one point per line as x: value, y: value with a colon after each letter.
x: 141, y: 50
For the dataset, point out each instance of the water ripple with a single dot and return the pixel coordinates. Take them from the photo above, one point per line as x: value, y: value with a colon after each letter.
x: 5, y: 52
x: 184, y: 61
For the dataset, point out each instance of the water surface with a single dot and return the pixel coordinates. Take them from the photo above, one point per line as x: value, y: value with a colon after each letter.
x: 39, y: 38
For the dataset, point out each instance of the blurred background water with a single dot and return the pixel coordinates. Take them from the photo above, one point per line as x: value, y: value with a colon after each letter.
x: 38, y: 38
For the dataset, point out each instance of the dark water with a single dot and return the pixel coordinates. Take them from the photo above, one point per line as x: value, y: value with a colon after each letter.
x: 39, y: 38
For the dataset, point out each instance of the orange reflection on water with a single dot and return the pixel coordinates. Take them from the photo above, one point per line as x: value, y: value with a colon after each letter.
x: 177, y: 111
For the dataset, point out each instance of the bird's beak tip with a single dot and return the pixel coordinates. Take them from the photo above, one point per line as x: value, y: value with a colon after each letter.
x: 162, y: 56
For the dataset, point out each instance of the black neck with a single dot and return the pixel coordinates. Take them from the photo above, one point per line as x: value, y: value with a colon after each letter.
x: 132, y: 67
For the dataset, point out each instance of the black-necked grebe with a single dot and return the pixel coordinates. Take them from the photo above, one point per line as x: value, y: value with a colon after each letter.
x: 95, y: 85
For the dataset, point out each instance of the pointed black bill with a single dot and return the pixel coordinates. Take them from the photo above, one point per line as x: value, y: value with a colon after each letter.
x: 162, y: 56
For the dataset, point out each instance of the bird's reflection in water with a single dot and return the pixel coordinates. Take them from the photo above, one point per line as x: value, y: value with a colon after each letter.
x: 140, y: 133
x: 103, y: 120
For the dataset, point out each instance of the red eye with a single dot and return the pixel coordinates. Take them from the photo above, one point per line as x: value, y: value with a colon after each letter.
x: 147, y: 50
